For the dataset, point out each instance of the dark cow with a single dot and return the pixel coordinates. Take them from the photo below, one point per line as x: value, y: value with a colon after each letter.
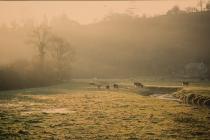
x: 115, y: 86
x: 185, y: 83
x: 138, y: 84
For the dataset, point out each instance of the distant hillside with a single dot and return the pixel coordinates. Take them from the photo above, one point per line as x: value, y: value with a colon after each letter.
x: 125, y: 46
x: 128, y: 46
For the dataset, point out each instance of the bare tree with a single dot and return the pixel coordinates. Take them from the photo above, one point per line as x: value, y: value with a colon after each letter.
x: 62, y: 55
x: 40, y: 39
x: 174, y: 10
x: 191, y: 9
x: 208, y: 6
x: 200, y: 4
x: 55, y: 53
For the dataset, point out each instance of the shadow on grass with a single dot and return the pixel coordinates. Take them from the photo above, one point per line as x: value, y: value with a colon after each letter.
x: 150, y: 90
x: 49, y: 90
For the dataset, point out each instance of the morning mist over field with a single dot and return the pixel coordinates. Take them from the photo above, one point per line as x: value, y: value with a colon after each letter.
x: 116, y: 39
x: 127, y: 70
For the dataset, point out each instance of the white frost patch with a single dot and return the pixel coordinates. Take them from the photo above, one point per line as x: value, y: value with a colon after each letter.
x: 25, y: 113
x: 58, y: 110
x: 49, y: 111
x: 20, y: 104
x: 8, y: 105
x: 165, y: 97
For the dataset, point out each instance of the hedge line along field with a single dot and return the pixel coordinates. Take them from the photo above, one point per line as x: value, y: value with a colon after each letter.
x: 77, y: 110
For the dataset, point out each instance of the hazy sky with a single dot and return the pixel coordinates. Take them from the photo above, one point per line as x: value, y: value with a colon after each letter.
x: 84, y: 11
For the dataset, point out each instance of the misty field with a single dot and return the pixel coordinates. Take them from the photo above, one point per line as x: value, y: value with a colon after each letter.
x: 78, y: 110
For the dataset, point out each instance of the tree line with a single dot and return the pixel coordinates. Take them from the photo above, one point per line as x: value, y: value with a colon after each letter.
x: 50, y: 65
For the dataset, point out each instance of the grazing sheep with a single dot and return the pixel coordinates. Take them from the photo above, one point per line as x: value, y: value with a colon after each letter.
x: 115, y: 85
x: 138, y: 84
x: 107, y: 87
x: 93, y: 84
x: 185, y: 83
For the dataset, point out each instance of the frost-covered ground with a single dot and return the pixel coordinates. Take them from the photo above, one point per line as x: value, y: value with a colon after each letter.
x: 77, y: 110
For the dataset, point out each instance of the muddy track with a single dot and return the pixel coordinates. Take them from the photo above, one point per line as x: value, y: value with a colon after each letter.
x: 192, y: 98
x: 178, y: 94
